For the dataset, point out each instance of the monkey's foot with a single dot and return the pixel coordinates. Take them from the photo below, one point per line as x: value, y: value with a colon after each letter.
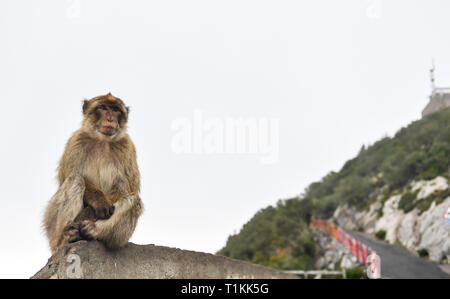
x: 88, y: 230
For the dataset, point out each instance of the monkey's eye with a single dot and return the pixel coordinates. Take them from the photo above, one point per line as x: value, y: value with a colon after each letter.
x: 115, y: 109
x: 102, y: 107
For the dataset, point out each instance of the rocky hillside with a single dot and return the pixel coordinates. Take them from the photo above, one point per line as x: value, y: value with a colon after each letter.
x: 411, y: 217
x: 397, y: 187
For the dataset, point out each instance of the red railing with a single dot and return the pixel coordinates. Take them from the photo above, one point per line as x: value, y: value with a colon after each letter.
x: 357, y: 249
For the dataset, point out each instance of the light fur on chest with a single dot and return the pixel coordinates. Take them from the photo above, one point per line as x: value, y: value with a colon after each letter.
x: 100, y: 169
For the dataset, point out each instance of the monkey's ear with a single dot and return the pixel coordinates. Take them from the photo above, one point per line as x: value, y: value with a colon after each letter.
x: 128, y: 110
x: 85, y: 106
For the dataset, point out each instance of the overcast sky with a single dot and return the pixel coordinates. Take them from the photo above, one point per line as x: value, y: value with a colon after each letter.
x: 333, y: 74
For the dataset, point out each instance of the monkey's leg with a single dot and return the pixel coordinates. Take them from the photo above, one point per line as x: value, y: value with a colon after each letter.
x: 62, y: 208
x: 117, y: 230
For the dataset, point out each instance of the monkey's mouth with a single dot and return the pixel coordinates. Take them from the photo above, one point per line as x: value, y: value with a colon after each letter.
x: 107, y: 130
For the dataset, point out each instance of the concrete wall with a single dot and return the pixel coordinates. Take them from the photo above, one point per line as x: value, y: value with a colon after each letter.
x: 438, y: 102
x: 92, y: 260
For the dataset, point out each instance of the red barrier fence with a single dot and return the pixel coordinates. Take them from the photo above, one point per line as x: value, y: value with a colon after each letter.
x: 354, y: 246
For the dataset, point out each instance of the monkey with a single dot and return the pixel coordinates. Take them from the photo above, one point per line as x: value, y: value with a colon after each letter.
x: 99, y: 180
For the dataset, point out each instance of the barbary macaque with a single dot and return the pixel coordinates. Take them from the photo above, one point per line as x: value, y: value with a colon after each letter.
x: 99, y: 181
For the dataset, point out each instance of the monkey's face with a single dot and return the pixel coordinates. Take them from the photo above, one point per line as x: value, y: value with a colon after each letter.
x: 108, y: 116
x: 105, y: 115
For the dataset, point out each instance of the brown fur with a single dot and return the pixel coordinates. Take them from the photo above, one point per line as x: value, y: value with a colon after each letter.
x: 99, y: 180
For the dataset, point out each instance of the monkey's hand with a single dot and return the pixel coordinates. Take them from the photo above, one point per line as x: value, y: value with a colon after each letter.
x: 88, y: 230
x: 103, y: 207
x: 84, y: 230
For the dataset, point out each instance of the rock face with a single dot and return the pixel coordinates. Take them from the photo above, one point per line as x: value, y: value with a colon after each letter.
x: 92, y: 260
x: 413, y: 230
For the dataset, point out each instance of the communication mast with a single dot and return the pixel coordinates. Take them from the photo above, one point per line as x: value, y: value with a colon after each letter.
x: 433, y: 85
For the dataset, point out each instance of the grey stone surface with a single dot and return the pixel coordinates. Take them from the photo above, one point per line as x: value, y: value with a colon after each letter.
x: 92, y: 260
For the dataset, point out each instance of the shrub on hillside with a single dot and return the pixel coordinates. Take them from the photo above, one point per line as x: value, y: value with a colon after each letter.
x: 381, y: 234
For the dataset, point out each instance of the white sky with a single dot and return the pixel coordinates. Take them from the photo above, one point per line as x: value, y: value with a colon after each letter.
x: 337, y: 74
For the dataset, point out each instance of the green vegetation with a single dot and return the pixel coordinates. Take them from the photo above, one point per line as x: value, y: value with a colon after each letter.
x: 356, y: 273
x: 381, y: 234
x: 406, y: 203
x: 280, y: 237
x: 276, y: 237
x: 409, y: 201
x: 423, y: 253
x: 437, y: 197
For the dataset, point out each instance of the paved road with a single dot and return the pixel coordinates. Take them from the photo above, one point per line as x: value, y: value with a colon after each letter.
x: 397, y: 262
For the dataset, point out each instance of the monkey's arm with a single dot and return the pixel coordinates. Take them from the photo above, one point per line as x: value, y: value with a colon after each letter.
x: 117, y: 230
x: 115, y: 197
x: 71, y: 160
x: 94, y: 197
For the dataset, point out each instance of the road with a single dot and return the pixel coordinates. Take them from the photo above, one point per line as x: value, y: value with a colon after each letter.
x: 397, y: 262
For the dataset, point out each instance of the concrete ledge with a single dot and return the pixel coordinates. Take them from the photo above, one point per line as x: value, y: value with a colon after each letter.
x: 92, y: 260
